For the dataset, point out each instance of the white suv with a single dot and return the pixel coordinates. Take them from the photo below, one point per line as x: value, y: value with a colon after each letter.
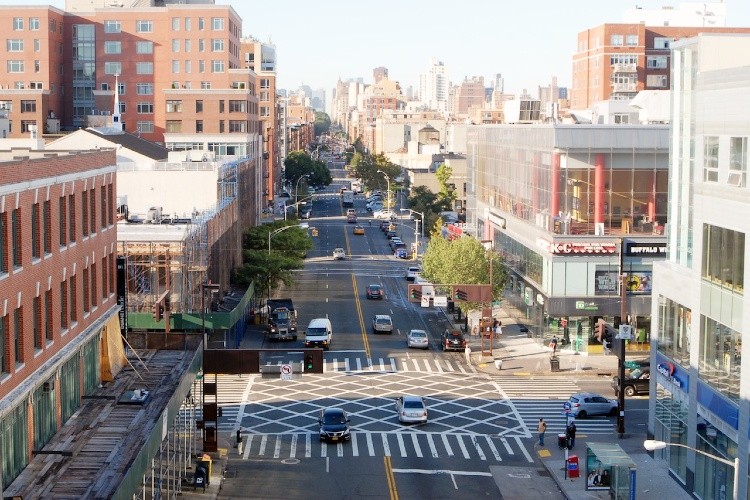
x: 339, y: 254
x: 412, y: 273
x: 381, y: 323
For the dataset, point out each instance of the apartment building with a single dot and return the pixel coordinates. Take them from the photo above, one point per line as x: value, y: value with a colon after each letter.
x: 700, y: 397
x: 58, y: 305
x: 176, y: 68
x: 469, y: 96
x: 616, y: 61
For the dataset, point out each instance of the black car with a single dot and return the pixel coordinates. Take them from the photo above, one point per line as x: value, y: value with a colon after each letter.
x: 453, y: 340
x: 333, y: 425
x: 390, y: 234
x: 375, y: 292
x: 637, y: 382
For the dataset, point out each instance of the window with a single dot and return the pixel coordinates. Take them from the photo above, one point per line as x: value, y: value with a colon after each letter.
x: 188, y: 69
x: 3, y: 242
x: 86, y: 296
x: 112, y: 26
x: 720, y: 357
x: 17, y: 24
x: 4, y: 361
x: 15, y: 237
x: 73, y: 300
x: 63, y: 305
x: 217, y: 66
x: 616, y: 40
x: 37, y: 45
x: 27, y: 126
x: 36, y: 85
x: 145, y: 127
x: 217, y: 45
x: 265, y: 83
x: 723, y: 257
x: 265, y: 111
x: 621, y: 118
x: 94, y: 296
x: 662, y: 42
x: 18, y: 335
x: 34, y: 23
x: 656, y: 81
x: 28, y: 106
x: 175, y: 45
x: 201, y: 45
x: 737, y: 161
x: 175, y: 24
x: 198, y: 126
x: 37, y: 68
x: 217, y: 23
x: 711, y: 159
x: 63, y: 222
x: 188, y: 45
x: 112, y: 47
x: 221, y: 106
x: 72, y: 218
x: 113, y: 68
x: 36, y: 324
x: 103, y: 199
x: 144, y: 68
x: 53, y: 26
x: 237, y: 126
x: 145, y: 107
x: 237, y: 106
x: 199, y: 106
x: 221, y: 126
x: 201, y: 23
x: 202, y: 69
x: 144, y: 26
x: 92, y: 211
x: 15, y: 67
x: 14, y: 45
x: 264, y: 96
x: 48, y: 315
x: 176, y: 68
x: 174, y: 106
x: 631, y: 40
x: 144, y: 88
x: 36, y: 232
x: 656, y: 62
x: 174, y: 126
x: 104, y: 278
x: 108, y: 210
x: 144, y: 47
x: 188, y: 23
x: 47, y: 227
x: 205, y: 85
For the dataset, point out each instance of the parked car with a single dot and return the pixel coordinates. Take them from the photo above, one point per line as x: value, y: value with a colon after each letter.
x: 417, y: 339
x: 383, y: 214
x: 339, y: 254
x: 382, y: 323
x: 375, y: 292
x: 453, y: 340
x: 587, y: 404
x: 359, y: 229
x: 384, y: 226
x: 411, y: 409
x: 637, y: 382
x: 333, y: 424
x: 306, y: 214
x: 394, y: 242
x: 390, y: 234
x: 401, y: 253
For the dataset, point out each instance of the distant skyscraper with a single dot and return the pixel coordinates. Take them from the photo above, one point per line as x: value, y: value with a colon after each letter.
x: 434, y: 87
x: 379, y: 74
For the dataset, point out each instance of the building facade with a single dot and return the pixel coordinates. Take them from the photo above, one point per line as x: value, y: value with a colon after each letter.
x: 572, y: 209
x: 700, y: 397
x: 57, y: 292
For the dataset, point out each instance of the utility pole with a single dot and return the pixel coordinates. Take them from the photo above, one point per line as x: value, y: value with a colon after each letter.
x: 621, y: 359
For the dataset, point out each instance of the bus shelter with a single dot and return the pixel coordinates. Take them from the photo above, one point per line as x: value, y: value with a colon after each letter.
x: 609, y: 468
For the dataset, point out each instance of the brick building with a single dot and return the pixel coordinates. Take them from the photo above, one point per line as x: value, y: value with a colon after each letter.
x: 58, y: 304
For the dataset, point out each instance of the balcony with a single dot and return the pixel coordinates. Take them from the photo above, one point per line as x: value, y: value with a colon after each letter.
x: 624, y: 68
x: 624, y: 87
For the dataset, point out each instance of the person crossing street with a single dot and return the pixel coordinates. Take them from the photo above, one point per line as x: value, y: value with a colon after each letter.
x: 541, y: 429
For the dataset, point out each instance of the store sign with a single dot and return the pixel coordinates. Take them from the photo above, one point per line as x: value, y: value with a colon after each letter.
x: 633, y: 249
x: 638, y: 282
x: 670, y: 371
x: 578, y: 247
x: 496, y: 220
x: 606, y: 283
x: 582, y: 305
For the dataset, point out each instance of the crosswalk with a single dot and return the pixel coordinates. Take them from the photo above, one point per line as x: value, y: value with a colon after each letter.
x: 390, y: 364
x: 391, y: 444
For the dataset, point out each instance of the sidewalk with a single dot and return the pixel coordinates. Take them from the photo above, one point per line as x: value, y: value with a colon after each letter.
x: 523, y: 356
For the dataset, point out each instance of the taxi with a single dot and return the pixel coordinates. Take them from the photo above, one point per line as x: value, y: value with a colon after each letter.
x: 359, y: 229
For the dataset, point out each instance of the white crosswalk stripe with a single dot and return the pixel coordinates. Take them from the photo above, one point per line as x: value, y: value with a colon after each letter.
x: 420, y: 445
x: 411, y: 364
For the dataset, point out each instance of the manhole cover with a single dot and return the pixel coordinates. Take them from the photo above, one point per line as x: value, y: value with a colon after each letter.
x: 500, y: 422
x: 290, y: 461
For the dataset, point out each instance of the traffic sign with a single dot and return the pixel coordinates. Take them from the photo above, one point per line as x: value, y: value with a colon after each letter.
x: 626, y: 333
x: 286, y: 372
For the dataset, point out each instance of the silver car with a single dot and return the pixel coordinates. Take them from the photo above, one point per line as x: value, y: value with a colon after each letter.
x: 587, y: 404
x: 418, y: 339
x: 411, y: 409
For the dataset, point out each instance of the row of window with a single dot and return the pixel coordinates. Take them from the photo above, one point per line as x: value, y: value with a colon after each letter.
x: 141, y: 67
x: 235, y: 106
x: 145, y: 26
x: 19, y: 24
x: 235, y: 126
x: 17, y: 45
x: 725, y: 160
x: 86, y: 290
x: 11, y: 226
x: 19, y: 66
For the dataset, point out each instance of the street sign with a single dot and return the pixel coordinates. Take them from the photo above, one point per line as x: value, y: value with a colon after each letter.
x: 286, y: 372
x: 440, y: 301
x: 566, y: 406
x: 626, y: 333
x: 425, y: 301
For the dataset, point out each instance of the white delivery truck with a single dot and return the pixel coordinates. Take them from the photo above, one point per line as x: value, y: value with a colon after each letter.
x: 347, y: 198
x: 319, y: 333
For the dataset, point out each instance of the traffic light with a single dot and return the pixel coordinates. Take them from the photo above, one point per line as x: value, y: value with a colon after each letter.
x: 158, y: 311
x: 459, y: 294
x: 415, y: 293
x: 599, y: 330
x: 308, y: 362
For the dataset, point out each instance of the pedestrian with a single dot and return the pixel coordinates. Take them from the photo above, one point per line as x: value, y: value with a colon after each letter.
x: 553, y: 345
x: 541, y: 428
x: 571, y: 432
x: 498, y: 327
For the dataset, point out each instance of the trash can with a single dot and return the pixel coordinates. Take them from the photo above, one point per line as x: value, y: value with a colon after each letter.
x: 562, y: 441
x: 574, y: 470
x: 554, y: 364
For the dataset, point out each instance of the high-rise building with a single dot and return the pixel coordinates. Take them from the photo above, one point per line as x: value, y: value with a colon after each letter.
x: 470, y: 94
x: 700, y: 308
x: 616, y: 61
x: 434, y: 87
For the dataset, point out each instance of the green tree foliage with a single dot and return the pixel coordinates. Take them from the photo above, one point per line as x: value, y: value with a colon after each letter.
x: 299, y: 163
x: 322, y: 123
x: 288, y: 249
x: 430, y: 204
x: 462, y: 261
x: 447, y: 191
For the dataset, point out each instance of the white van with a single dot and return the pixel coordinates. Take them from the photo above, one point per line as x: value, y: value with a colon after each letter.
x: 319, y: 333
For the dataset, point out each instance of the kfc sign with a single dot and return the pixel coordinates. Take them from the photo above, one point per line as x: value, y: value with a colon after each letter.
x: 578, y: 247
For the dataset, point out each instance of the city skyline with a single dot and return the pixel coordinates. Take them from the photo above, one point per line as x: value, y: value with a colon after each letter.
x: 322, y: 56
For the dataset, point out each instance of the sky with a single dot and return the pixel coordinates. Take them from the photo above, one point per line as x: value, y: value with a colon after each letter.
x: 527, y: 42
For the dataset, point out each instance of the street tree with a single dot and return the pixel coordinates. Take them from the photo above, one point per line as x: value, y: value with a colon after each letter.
x: 322, y: 123
x: 430, y: 204
x: 447, y: 190
x: 299, y: 163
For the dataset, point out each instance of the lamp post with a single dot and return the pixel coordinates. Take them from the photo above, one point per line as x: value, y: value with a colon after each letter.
x: 652, y: 444
x: 418, y: 229
x: 274, y: 232
x: 388, y: 189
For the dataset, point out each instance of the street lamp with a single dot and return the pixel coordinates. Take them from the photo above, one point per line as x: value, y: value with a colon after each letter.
x: 275, y: 232
x: 652, y: 444
x: 417, y: 229
x: 388, y: 188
